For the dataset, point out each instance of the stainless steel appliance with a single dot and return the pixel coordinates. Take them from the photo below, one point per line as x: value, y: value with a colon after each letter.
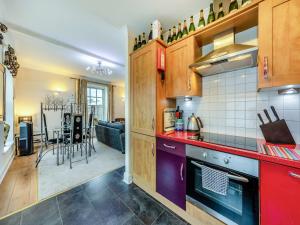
x: 240, y: 203
x: 194, y: 124
x: 227, y: 56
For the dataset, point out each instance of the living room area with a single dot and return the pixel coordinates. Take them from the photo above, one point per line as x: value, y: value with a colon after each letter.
x: 62, y: 110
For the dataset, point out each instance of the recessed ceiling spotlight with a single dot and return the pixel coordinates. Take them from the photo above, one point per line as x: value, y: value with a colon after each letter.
x: 289, y: 91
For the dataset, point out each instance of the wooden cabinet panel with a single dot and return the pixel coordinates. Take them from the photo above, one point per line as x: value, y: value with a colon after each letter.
x: 143, y: 90
x: 279, y: 43
x: 200, y: 216
x: 180, y: 80
x: 279, y: 194
x: 143, y: 158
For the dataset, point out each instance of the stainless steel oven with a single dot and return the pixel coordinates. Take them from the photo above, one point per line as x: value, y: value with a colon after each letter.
x: 239, y: 204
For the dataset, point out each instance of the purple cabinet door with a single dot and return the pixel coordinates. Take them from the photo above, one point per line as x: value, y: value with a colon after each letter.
x: 170, y: 177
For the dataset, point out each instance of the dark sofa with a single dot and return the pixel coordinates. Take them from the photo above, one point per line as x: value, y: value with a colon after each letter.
x: 111, y: 134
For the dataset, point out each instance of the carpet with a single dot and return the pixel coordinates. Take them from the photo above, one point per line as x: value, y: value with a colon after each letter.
x: 53, y: 179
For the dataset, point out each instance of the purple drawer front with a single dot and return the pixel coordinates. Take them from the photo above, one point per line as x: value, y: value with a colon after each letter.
x: 171, y: 146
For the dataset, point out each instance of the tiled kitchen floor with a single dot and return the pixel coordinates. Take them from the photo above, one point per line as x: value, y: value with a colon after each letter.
x: 106, y: 200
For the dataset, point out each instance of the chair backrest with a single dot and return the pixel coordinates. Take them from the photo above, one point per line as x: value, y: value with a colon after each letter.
x: 90, y: 123
x: 45, y: 127
x: 66, y: 123
x: 77, y: 128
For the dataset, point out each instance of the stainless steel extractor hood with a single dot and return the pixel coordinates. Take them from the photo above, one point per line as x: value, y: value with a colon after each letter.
x: 226, y: 56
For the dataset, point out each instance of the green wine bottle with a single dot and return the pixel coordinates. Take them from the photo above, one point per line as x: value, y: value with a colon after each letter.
x: 185, y: 31
x: 135, y: 47
x: 245, y: 2
x: 211, y: 16
x: 201, y: 22
x: 161, y: 34
x: 150, y: 37
x: 179, y: 33
x: 139, y: 42
x: 233, y: 6
x: 221, y: 12
x: 144, y: 39
x: 169, y: 41
x: 174, y: 36
x: 192, y: 25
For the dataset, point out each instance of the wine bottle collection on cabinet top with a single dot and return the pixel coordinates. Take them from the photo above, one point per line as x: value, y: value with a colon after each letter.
x: 183, y: 29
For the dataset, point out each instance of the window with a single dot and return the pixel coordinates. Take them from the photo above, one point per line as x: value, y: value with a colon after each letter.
x: 96, y: 97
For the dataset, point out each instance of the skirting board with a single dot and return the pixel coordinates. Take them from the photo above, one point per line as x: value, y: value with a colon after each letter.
x: 11, y: 157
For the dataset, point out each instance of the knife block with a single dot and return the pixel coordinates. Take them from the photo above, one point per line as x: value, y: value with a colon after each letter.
x: 277, y: 132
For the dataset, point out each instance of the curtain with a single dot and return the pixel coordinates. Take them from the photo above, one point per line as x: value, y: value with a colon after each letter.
x: 77, y: 91
x: 110, y: 102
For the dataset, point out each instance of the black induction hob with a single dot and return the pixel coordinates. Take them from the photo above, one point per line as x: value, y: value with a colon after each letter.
x: 227, y: 140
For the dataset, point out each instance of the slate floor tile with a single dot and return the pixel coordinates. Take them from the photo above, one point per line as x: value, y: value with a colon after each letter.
x: 120, y: 171
x: 168, y: 218
x: 143, y: 206
x: 112, y: 211
x: 77, y: 210
x: 14, y: 219
x: 134, y: 220
x: 44, y: 213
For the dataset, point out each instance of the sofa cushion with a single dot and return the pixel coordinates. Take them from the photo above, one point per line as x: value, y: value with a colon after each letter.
x: 118, y: 126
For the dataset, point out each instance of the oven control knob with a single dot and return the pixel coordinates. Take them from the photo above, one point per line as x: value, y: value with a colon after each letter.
x: 204, y: 155
x: 226, y: 161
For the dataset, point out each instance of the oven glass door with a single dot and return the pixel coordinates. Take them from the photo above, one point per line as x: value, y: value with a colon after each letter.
x: 240, y: 204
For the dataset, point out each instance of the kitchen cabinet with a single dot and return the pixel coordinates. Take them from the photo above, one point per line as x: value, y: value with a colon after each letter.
x: 147, y: 102
x: 143, y: 158
x: 170, y: 170
x: 180, y: 79
x: 143, y: 88
x: 279, y: 194
x: 147, y: 91
x: 279, y: 43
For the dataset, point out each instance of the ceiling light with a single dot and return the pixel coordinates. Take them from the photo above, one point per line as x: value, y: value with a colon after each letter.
x: 289, y: 91
x: 99, y: 69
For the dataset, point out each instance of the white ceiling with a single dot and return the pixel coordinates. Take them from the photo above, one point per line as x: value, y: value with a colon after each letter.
x: 61, y: 35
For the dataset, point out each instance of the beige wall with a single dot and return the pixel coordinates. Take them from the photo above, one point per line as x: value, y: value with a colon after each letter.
x: 118, y: 102
x: 32, y: 86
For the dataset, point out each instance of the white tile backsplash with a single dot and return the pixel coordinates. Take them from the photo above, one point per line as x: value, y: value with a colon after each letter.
x: 230, y: 104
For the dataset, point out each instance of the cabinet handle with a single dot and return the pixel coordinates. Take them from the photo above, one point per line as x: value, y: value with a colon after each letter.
x: 153, y: 123
x: 169, y: 146
x: 292, y: 174
x: 181, y: 171
x: 189, y: 84
x: 266, y: 68
x: 153, y: 149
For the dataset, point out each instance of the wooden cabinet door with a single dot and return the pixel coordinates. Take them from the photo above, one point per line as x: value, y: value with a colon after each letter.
x: 279, y: 194
x: 143, y: 86
x: 180, y: 80
x: 143, y: 157
x: 279, y: 43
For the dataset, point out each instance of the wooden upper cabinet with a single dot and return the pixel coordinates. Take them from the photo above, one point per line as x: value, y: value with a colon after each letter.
x: 143, y: 90
x: 279, y: 43
x: 180, y: 80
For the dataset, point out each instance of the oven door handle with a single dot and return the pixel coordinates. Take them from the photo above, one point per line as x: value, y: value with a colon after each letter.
x: 230, y: 176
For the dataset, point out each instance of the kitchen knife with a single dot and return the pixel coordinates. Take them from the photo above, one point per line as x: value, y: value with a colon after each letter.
x: 275, y: 113
x: 267, y: 115
x: 260, y: 118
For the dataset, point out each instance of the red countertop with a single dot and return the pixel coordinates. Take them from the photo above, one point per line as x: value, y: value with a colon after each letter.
x: 182, y: 137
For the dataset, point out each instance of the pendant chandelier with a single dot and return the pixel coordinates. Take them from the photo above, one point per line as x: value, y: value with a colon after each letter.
x: 99, y: 69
